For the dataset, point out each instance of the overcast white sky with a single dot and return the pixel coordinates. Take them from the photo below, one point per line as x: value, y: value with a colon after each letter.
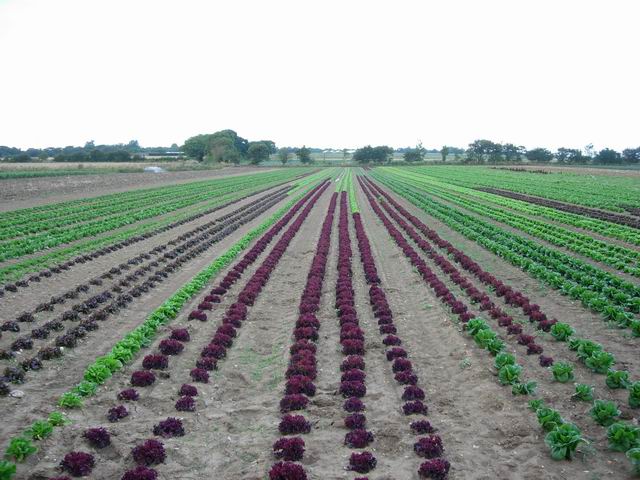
x: 321, y: 73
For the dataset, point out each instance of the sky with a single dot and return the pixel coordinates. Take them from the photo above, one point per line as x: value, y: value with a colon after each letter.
x: 324, y: 73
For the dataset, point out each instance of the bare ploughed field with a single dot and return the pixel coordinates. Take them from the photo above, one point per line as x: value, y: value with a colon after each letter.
x: 289, y: 324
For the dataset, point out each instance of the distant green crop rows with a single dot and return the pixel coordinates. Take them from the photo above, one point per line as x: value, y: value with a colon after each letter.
x: 34, y: 230
x: 600, y: 191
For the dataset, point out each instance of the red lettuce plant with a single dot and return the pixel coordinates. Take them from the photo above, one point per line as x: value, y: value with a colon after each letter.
x: 294, y: 424
x: 78, y: 464
x: 429, y: 447
x: 413, y: 393
x: 151, y: 452
x: 290, y: 449
x: 436, y: 469
x: 199, y: 375
x: 358, y: 438
x: 140, y: 473
x: 117, y: 413
x: 170, y: 346
x: 421, y: 427
x: 415, y: 407
x: 180, y: 334
x: 300, y: 384
x: 186, y: 404
x: 293, y: 402
x: 142, y: 378
x: 171, y: 427
x: 158, y: 362
x: 362, y: 462
x: 353, y: 404
x: 128, y: 394
x: 353, y: 389
x: 98, y: 437
x: 188, y: 390
x: 353, y: 362
x: 355, y: 421
x: 287, y: 471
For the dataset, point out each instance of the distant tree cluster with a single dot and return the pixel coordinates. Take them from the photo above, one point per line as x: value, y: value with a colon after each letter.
x: 90, y: 152
x: 369, y: 154
x: 227, y: 146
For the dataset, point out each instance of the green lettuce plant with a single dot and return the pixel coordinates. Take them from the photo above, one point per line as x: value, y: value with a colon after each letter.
x: 562, y: 372
x: 563, y: 441
x: 583, y: 393
x: 623, y: 436
x: 604, y: 412
x: 617, y: 379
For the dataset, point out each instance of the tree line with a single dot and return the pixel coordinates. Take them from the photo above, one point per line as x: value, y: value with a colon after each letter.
x: 90, y: 152
x: 486, y: 151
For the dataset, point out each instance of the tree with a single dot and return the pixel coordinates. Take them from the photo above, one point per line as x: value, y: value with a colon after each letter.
x: 480, y: 150
x: 631, y: 155
x: 380, y: 154
x: 512, y: 153
x: 414, y: 154
x: 539, y: 155
x: 283, y: 155
x: 444, y: 151
x: 570, y: 155
x: 303, y: 154
x: 196, y: 147
x: 258, y: 152
x: 271, y: 145
x: 345, y: 155
x: 607, y: 156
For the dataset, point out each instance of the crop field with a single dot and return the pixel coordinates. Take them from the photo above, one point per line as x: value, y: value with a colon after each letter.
x: 425, y: 322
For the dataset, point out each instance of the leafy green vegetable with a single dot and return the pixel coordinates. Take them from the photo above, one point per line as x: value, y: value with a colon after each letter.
x: 495, y: 346
x: 562, y: 331
x: 562, y: 372
x: 635, y: 327
x: 634, y: 457
x: 40, y: 429
x: 7, y: 470
x: 583, y: 392
x: 535, y: 404
x: 484, y: 337
x: 20, y: 448
x: 634, y: 394
x: 58, y: 419
x: 503, y: 359
x: 617, y: 379
x: 475, y: 325
x: 509, y: 374
x: 604, y: 412
x: 586, y: 348
x: 86, y: 388
x: 600, y: 361
x: 99, y: 372
x: 528, y: 388
x: 563, y: 441
x: 548, y: 418
x: 70, y: 400
x: 623, y: 436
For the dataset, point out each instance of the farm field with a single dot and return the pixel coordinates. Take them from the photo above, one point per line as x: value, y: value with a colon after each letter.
x: 321, y: 323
